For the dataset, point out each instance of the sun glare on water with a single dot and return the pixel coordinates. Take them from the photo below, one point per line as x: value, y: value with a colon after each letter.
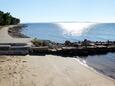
x: 74, y: 29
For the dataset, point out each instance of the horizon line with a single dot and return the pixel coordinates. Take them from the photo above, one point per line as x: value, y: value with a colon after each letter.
x: 70, y: 22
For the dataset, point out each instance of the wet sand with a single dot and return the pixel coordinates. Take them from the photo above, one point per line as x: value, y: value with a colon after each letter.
x: 48, y: 71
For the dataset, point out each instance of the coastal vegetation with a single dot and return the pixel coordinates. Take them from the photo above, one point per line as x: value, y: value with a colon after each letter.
x: 7, y: 19
x: 38, y: 42
x: 81, y: 48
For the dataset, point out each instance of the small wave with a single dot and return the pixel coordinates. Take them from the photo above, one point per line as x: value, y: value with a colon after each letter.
x: 82, y: 62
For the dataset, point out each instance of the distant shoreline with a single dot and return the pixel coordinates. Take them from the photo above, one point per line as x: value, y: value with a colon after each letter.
x: 15, y: 31
x: 18, y: 39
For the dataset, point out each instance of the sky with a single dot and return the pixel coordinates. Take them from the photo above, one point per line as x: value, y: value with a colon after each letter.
x: 60, y: 10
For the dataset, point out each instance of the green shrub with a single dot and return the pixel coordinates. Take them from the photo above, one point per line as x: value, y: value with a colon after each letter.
x: 37, y: 42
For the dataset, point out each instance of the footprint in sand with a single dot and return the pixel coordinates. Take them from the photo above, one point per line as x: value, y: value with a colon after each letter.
x: 8, y: 60
x: 9, y: 68
x: 24, y: 61
x: 34, y: 75
x: 2, y: 61
x: 14, y: 72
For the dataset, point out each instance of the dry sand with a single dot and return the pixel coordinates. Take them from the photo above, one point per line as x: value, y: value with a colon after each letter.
x: 6, y: 38
x: 45, y: 70
x: 48, y: 71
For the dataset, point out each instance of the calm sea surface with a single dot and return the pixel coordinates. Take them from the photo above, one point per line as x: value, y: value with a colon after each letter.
x: 59, y: 32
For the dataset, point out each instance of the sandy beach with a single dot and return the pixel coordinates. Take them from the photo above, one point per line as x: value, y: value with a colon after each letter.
x: 6, y: 38
x: 45, y: 70
x: 48, y: 71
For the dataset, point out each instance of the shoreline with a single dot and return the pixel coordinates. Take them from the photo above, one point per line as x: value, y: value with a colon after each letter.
x: 48, y: 70
x: 14, y: 37
x: 15, y: 31
x: 93, y: 69
x: 6, y: 38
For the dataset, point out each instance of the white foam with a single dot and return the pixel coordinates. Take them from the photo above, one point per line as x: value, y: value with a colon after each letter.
x: 74, y: 29
x: 83, y: 62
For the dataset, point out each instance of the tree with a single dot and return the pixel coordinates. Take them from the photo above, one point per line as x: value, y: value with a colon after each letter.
x: 1, y: 17
x: 7, y: 19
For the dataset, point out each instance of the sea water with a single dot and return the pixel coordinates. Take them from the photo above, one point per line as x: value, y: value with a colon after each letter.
x: 60, y: 32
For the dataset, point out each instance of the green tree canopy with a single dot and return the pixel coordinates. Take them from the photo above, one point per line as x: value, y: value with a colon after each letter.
x: 7, y: 19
